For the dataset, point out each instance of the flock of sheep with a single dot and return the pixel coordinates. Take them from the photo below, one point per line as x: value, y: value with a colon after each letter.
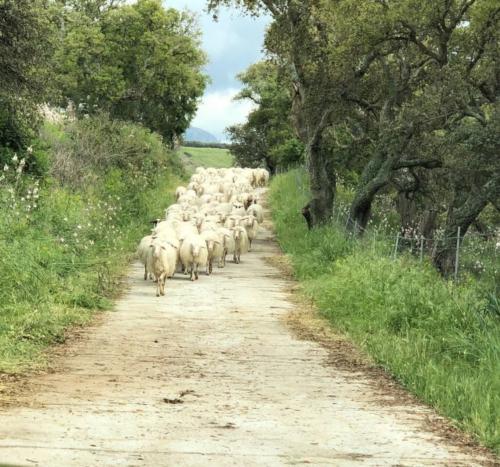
x: 217, y: 214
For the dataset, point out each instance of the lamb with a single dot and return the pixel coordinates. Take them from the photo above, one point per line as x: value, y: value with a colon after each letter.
x: 251, y: 226
x: 257, y: 211
x: 240, y: 242
x: 193, y: 254
x: 162, y: 259
x: 214, y: 248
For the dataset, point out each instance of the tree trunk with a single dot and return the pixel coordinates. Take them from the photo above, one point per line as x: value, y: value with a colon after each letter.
x: 407, y: 210
x: 463, y: 216
x: 323, y: 180
x: 375, y: 176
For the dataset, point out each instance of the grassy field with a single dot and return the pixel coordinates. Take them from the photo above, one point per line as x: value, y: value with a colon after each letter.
x: 440, y: 340
x: 205, y: 157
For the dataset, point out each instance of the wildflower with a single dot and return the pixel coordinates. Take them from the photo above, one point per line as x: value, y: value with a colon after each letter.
x: 75, y: 234
x: 78, y: 226
x: 62, y: 240
x: 5, y: 168
x: 15, y: 159
x: 65, y: 219
x: 29, y: 150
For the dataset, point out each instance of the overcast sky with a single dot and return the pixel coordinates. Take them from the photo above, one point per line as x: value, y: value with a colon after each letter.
x: 232, y: 43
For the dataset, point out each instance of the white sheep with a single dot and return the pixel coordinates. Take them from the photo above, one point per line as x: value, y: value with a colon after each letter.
x: 162, y: 259
x: 193, y: 254
x: 258, y: 211
x: 215, y: 248
x: 180, y: 191
x: 252, y: 227
x: 240, y: 242
x: 142, y: 253
x: 227, y: 239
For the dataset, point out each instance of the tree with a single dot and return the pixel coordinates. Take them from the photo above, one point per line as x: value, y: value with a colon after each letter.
x: 25, y: 47
x: 267, y: 137
x: 138, y: 62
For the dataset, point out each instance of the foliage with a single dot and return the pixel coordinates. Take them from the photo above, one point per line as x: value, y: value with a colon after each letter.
x: 64, y: 244
x: 25, y: 47
x: 441, y: 340
x: 267, y: 137
x: 138, y: 62
x: 399, y: 96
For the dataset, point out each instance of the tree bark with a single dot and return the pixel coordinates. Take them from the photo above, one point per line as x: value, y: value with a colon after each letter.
x: 375, y: 176
x: 323, y: 180
x: 463, y: 216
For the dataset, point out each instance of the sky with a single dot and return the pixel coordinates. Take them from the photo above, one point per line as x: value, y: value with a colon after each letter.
x: 232, y: 43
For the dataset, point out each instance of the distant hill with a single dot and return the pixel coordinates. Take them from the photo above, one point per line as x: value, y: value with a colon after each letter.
x: 199, y: 135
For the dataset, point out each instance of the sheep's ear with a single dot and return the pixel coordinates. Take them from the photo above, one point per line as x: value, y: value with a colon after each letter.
x: 163, y: 248
x: 151, y: 246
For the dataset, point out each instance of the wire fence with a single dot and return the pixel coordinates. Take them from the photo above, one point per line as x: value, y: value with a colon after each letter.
x: 474, y: 253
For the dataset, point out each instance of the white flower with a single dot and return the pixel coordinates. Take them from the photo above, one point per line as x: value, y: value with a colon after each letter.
x: 65, y: 219
x: 78, y: 226
x: 75, y: 234
x: 5, y: 168
x: 62, y: 240
x: 15, y: 159
x: 29, y: 150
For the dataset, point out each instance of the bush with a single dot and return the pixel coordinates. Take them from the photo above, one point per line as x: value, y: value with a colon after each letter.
x: 64, y: 242
x: 439, y: 339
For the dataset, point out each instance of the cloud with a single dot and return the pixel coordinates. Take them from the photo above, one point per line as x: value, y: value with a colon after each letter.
x: 232, y: 44
x: 218, y: 110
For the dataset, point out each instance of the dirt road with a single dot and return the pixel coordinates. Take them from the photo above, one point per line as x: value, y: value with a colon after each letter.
x: 212, y: 375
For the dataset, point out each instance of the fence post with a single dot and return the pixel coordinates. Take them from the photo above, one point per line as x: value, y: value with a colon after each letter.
x: 421, y: 248
x: 394, y: 256
x: 457, y: 254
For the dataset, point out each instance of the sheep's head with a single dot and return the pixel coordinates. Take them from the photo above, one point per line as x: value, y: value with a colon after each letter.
x: 236, y: 233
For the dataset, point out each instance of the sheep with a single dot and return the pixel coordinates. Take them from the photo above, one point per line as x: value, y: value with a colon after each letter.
x: 251, y: 226
x: 162, y: 259
x: 179, y: 192
x: 240, y: 242
x: 238, y: 209
x: 214, y: 248
x: 193, y: 254
x: 232, y: 221
x: 142, y: 253
x: 227, y: 239
x: 257, y: 211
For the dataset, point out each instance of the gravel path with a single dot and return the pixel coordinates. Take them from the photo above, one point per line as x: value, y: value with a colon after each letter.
x: 212, y: 375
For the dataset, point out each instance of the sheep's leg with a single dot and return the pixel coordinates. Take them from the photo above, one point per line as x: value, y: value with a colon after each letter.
x: 210, y: 266
x: 196, y: 271
x: 145, y: 273
x: 158, y: 286
x: 192, y: 271
x: 161, y: 282
x: 250, y: 247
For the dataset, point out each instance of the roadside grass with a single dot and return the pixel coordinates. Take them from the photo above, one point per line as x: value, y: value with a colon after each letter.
x: 63, y: 262
x: 438, y: 339
x: 205, y: 157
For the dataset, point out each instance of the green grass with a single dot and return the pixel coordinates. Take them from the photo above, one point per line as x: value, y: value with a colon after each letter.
x: 61, y: 263
x: 440, y: 340
x: 205, y: 157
